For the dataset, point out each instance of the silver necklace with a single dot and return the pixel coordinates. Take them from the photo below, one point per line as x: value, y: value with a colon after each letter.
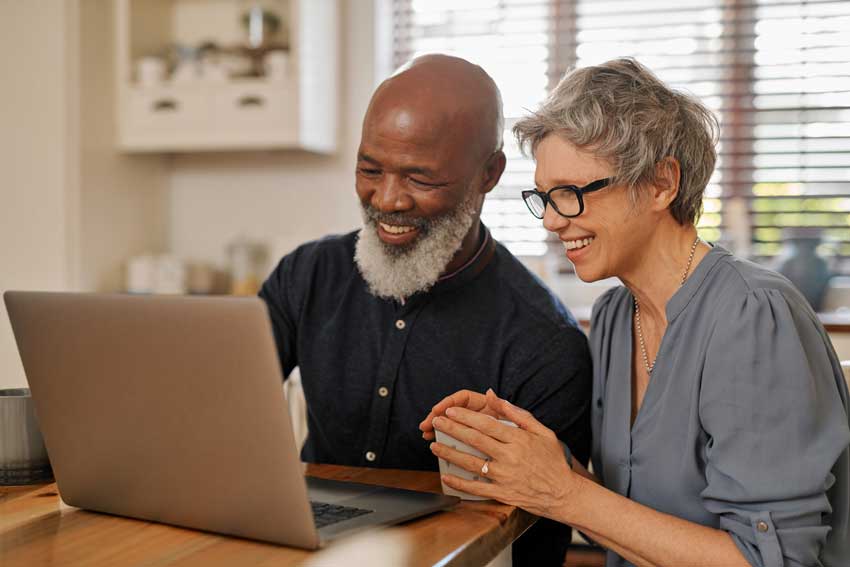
x: 646, y: 363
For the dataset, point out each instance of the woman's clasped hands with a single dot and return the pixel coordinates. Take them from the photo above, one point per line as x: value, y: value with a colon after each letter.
x: 527, y: 465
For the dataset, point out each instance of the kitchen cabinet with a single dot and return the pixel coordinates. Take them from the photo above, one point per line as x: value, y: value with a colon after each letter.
x: 191, y: 112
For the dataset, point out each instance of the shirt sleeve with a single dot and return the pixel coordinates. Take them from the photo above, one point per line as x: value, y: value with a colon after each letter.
x: 554, y: 385
x: 278, y: 292
x: 776, y: 426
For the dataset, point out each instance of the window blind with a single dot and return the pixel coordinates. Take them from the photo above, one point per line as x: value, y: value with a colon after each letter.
x: 799, y: 117
x: 686, y: 45
x: 776, y: 72
x: 513, y: 41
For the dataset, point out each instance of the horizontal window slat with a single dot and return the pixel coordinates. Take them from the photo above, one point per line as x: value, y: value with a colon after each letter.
x: 776, y: 72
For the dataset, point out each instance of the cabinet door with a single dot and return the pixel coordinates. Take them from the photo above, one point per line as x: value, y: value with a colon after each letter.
x: 260, y: 107
x: 167, y: 109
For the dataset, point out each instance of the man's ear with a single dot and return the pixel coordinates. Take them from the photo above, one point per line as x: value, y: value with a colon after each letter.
x: 666, y: 187
x: 493, y: 170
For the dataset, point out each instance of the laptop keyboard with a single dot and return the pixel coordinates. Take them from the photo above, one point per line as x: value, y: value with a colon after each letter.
x: 327, y: 514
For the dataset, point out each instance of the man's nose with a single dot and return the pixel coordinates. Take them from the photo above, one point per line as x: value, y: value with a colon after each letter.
x: 392, y: 196
x: 552, y: 221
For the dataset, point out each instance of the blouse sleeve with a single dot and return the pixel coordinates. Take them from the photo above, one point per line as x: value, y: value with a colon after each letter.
x: 776, y: 425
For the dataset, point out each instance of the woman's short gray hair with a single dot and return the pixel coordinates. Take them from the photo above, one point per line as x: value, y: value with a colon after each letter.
x: 621, y: 112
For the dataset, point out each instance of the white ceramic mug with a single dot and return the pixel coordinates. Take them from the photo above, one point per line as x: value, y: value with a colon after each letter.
x: 449, y: 468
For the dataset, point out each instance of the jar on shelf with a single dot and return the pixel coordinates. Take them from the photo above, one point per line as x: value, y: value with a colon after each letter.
x: 247, y: 259
x: 264, y: 23
x: 799, y: 262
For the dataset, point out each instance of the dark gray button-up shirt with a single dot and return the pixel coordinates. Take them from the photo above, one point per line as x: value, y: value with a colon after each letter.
x: 744, y: 425
x: 373, y: 368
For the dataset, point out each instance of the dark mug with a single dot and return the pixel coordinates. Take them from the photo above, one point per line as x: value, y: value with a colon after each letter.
x: 23, y: 456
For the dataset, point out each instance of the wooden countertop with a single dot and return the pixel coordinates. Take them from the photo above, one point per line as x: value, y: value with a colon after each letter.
x: 835, y: 322
x: 37, y: 529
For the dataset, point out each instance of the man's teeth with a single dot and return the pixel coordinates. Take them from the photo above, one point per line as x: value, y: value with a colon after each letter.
x: 576, y: 244
x: 393, y: 229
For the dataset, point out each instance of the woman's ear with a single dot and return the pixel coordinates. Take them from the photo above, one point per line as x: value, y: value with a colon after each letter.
x: 666, y: 187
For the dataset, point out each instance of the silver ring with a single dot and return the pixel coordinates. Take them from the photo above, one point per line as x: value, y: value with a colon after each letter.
x: 485, y: 468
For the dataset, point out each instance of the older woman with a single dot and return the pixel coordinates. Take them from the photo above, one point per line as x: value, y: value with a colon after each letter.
x: 720, y: 414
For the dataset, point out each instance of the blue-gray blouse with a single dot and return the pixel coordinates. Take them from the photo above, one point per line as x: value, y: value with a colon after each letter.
x: 744, y: 425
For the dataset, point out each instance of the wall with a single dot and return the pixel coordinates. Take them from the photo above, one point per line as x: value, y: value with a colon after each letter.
x: 72, y: 207
x: 123, y: 199
x: 34, y: 126
x: 280, y: 198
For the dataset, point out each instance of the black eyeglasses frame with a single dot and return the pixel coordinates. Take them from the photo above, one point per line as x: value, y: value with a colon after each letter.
x: 579, y: 192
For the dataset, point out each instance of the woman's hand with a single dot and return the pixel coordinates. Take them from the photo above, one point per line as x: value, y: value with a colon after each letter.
x: 465, y: 399
x: 527, y: 465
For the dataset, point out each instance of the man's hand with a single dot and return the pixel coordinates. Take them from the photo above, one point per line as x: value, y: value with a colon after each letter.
x: 464, y: 398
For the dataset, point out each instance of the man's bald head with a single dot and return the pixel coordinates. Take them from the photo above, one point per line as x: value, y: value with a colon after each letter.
x: 440, y: 95
x: 429, y: 152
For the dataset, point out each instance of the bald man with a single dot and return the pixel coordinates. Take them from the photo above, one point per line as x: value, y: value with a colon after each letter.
x: 386, y: 321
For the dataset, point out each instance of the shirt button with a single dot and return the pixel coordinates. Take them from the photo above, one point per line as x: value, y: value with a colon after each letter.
x: 762, y: 527
x: 400, y: 324
x: 383, y: 391
x: 370, y: 456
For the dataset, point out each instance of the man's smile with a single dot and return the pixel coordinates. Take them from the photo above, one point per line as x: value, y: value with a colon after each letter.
x: 397, y: 235
x: 397, y: 229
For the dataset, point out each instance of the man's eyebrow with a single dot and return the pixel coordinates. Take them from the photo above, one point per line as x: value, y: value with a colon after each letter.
x: 420, y: 171
x: 363, y: 157
x: 417, y: 170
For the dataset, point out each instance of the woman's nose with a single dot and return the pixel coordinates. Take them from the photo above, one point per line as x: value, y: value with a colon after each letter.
x: 552, y: 221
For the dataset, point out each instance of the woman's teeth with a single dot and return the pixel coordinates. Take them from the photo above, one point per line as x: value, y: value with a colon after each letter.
x: 576, y: 244
x: 392, y: 229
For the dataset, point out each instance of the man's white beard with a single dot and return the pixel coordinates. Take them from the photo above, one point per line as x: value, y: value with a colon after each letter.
x: 397, y: 272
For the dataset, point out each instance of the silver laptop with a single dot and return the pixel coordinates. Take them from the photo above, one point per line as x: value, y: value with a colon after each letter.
x: 171, y: 409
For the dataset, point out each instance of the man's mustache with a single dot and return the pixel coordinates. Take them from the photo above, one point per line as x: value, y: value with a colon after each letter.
x: 400, y: 219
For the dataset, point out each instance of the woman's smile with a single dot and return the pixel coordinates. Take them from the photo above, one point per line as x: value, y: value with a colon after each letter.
x: 577, y: 248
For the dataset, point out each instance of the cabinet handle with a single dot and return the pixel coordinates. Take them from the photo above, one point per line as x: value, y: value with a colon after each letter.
x: 250, y: 100
x: 165, y: 105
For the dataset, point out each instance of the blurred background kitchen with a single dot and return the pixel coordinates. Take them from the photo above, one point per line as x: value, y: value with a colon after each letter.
x: 184, y: 146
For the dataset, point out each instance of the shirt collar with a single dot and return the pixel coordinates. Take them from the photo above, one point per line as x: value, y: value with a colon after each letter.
x: 689, y: 289
x: 474, y: 266
x: 463, y: 275
x: 484, y: 240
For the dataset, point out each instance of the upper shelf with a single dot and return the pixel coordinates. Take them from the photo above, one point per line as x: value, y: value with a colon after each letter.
x: 279, y: 93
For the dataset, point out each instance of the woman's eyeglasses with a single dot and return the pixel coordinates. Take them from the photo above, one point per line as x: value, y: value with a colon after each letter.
x: 567, y: 200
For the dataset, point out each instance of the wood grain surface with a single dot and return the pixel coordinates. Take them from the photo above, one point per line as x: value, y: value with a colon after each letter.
x: 38, y: 529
